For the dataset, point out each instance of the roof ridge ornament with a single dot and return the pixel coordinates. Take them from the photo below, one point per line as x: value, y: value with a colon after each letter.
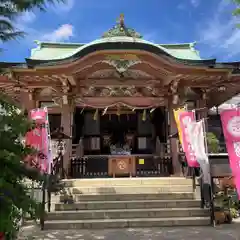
x: 121, y: 21
x: 120, y: 30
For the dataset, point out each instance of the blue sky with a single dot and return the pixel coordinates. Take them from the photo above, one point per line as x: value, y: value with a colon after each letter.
x: 209, y: 22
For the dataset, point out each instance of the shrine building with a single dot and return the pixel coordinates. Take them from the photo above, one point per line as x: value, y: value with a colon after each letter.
x: 115, y: 97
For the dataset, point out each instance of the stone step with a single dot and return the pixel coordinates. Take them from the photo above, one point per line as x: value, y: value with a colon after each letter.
x: 126, y: 223
x: 106, y: 182
x: 137, y: 196
x: 130, y: 189
x: 128, y: 213
x: 137, y: 204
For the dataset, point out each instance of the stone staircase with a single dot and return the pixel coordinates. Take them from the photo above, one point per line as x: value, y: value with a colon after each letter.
x: 128, y: 202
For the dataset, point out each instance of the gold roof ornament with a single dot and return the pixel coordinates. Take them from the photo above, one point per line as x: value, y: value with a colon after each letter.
x: 121, y: 21
x: 121, y: 30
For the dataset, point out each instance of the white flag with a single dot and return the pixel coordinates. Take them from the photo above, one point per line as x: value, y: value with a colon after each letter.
x: 197, y: 139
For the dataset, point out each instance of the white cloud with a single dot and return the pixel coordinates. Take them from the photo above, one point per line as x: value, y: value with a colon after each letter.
x: 62, y: 33
x: 195, y: 3
x: 185, y: 5
x: 220, y: 33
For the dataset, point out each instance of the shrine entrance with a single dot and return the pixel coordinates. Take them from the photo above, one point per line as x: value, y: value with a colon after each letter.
x: 118, y: 142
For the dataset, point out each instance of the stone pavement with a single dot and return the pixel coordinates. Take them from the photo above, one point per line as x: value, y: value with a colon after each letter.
x: 223, y: 232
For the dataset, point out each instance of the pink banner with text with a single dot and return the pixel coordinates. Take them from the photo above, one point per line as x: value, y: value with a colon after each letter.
x: 231, y: 128
x: 38, y: 138
x: 185, y: 118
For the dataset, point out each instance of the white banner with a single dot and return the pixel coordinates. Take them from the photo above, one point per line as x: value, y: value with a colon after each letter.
x: 197, y: 139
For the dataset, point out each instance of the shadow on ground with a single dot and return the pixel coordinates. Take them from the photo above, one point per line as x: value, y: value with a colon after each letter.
x: 223, y: 232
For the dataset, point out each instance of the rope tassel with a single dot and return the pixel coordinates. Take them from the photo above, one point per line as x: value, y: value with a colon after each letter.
x: 144, y: 116
x: 95, y: 116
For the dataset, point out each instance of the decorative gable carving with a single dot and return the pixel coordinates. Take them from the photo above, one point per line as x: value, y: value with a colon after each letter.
x: 122, y: 65
x: 129, y: 74
x: 113, y: 91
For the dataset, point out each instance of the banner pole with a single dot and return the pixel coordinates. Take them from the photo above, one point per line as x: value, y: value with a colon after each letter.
x: 205, y: 136
x: 211, y: 184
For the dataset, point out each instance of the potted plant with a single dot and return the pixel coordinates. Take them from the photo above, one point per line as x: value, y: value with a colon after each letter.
x: 226, y: 202
x: 212, y: 143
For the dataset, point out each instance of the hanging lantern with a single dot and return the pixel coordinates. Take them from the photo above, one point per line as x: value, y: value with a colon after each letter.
x: 30, y: 96
x: 95, y: 116
x: 118, y: 111
x: 175, y: 99
x: 104, y: 111
x: 204, y: 96
x: 144, y: 116
x: 82, y: 111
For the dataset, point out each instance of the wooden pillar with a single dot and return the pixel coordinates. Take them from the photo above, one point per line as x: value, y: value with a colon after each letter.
x: 203, y: 111
x: 66, y: 123
x: 27, y: 101
x: 174, y: 141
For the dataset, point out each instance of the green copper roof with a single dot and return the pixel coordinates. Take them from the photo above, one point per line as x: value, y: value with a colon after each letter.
x: 55, y: 51
x: 120, y: 33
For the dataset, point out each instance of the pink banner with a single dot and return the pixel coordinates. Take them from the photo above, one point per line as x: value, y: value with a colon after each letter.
x: 237, y: 184
x: 231, y: 128
x: 185, y: 118
x: 38, y: 138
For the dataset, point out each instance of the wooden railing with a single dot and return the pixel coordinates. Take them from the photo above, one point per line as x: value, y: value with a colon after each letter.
x: 97, y: 166
x: 89, y: 167
x: 74, y: 148
x: 154, y: 166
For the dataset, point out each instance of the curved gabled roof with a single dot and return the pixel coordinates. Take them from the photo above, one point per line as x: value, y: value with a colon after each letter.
x: 60, y: 51
x: 189, y: 54
x: 118, y: 37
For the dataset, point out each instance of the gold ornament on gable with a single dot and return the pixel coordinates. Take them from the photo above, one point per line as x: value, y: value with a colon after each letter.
x: 122, y: 65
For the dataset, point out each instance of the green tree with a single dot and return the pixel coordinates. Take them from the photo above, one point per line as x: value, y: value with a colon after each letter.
x: 14, y: 193
x: 15, y: 200
x: 10, y: 9
x: 236, y: 12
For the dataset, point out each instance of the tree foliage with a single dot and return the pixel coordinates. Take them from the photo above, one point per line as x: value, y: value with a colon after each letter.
x: 236, y: 12
x: 14, y: 193
x: 10, y: 9
x: 15, y: 200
